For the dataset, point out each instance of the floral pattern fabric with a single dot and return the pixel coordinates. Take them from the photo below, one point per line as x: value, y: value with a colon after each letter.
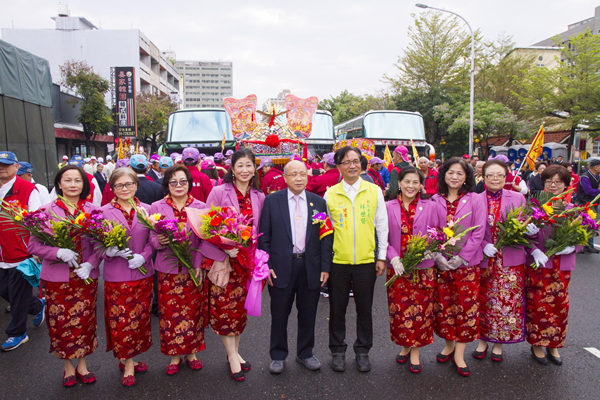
x: 548, y: 305
x: 71, y: 317
x: 127, y: 317
x: 76, y: 237
x: 180, y: 314
x: 129, y: 216
x: 408, y: 218
x: 457, y: 304
x: 451, y: 206
x: 502, y: 291
x: 181, y: 215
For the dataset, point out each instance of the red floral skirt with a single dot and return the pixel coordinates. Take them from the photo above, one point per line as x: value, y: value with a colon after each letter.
x: 71, y: 317
x: 502, y: 303
x: 548, y: 305
x: 180, y: 312
x: 224, y: 309
x: 410, y: 301
x: 456, y: 307
x: 127, y: 317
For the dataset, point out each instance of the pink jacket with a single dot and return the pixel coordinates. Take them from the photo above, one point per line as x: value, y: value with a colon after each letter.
x: 425, y: 216
x: 471, y: 251
x: 511, y: 256
x: 224, y: 196
x: 116, y: 269
x: 163, y: 263
x: 53, y: 271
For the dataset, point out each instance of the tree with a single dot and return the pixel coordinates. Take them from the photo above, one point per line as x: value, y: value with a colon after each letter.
x: 89, y: 89
x: 489, y: 120
x: 152, y: 116
x: 347, y: 105
x: 570, y: 93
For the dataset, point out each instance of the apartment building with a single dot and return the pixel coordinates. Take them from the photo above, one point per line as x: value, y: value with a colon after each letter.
x: 205, y: 83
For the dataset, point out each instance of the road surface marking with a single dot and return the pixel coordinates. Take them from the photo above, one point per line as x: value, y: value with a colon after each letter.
x: 593, y: 350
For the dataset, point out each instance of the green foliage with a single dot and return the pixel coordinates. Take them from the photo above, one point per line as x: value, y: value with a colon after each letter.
x: 346, y: 105
x: 90, y: 89
x: 570, y: 92
x: 62, y: 233
x: 512, y: 229
x: 152, y: 116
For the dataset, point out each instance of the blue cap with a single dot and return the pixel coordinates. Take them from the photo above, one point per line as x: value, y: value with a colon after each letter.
x: 165, y: 162
x: 25, y: 168
x: 76, y: 160
x: 8, y: 157
x: 138, y: 161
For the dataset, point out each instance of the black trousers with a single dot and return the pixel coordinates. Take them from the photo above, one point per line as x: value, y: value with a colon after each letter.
x: 307, y: 301
x: 17, y: 291
x: 341, y: 278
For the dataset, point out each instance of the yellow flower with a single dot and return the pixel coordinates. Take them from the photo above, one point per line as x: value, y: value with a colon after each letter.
x: 591, y: 213
x: 449, y: 232
x: 155, y: 217
x: 80, y: 218
x: 18, y: 218
x: 548, y: 209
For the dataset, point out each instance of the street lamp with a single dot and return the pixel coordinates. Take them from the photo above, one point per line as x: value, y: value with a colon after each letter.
x: 472, y: 72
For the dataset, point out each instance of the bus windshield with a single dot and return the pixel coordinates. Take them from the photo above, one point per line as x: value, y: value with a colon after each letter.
x: 322, y: 127
x: 199, y: 126
x: 394, y: 125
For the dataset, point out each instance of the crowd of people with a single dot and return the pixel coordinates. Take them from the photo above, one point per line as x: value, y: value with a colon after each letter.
x: 481, y: 294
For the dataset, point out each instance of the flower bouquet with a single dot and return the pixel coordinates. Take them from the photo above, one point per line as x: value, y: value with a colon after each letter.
x: 442, y: 240
x: 323, y: 220
x: 512, y: 229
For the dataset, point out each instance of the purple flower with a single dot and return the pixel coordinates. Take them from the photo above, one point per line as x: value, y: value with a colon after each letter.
x: 537, y: 214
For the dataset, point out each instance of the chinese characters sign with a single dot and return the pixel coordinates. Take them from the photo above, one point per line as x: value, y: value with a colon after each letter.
x: 125, y: 94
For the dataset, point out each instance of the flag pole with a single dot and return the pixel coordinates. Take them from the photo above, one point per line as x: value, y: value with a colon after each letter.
x: 526, y: 155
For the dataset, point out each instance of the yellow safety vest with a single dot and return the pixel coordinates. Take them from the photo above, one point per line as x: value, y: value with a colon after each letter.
x: 354, y: 225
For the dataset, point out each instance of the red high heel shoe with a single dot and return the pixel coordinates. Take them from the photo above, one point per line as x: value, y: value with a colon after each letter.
x: 442, y: 358
x: 172, y: 369
x: 194, y: 364
x: 140, y: 367
x: 69, y: 381
x: 462, y: 371
x: 246, y: 366
x: 87, y: 378
x: 128, y: 380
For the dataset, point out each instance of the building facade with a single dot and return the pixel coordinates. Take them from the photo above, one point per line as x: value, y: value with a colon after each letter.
x: 205, y: 83
x: 543, y: 57
x: 592, y: 23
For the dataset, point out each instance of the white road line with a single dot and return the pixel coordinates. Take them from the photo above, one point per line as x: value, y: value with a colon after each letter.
x: 593, y: 350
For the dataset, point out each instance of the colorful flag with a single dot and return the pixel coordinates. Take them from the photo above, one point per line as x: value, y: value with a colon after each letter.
x: 536, y: 149
x: 223, y: 143
x: 415, y: 153
x: 387, y: 156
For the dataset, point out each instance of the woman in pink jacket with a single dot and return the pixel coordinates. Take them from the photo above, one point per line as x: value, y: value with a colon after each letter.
x: 548, y: 286
x: 502, y: 289
x: 70, y: 302
x: 180, y: 301
x: 226, y: 312
x: 457, y: 289
x: 410, y: 299
x: 127, y: 292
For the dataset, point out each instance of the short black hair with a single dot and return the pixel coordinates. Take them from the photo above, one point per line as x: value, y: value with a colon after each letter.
x: 211, y: 173
x: 363, y: 163
x: 169, y: 172
x: 85, y: 191
x: 241, y: 153
x: 341, y: 153
x: 468, y: 186
x: 537, y: 164
x: 138, y: 170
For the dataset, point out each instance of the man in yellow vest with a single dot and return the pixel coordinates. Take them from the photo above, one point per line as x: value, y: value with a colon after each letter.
x: 357, y: 211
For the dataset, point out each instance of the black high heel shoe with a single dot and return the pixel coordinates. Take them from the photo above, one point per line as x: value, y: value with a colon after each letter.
x: 541, y: 360
x: 480, y: 355
x: 462, y: 371
x: 555, y: 360
x: 442, y: 358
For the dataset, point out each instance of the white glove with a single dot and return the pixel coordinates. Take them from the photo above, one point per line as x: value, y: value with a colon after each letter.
x: 490, y: 250
x: 539, y: 257
x: 531, y: 230
x: 428, y: 255
x: 136, y: 262
x: 67, y: 256
x: 115, y: 252
x: 84, y: 270
x: 567, y: 250
x: 456, y: 262
x: 398, y: 266
x: 441, y: 262
x: 232, y: 253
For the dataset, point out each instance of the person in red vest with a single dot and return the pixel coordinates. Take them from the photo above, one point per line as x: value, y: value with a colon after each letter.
x: 272, y: 178
x: 14, y: 288
x: 430, y: 176
x: 201, y: 186
x: 319, y: 184
x: 376, y: 163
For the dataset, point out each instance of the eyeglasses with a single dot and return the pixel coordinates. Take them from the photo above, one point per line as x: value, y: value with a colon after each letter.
x: 128, y: 185
x: 499, y: 176
x: 182, y: 182
x: 297, y: 174
x: 351, y: 162
x: 555, y: 183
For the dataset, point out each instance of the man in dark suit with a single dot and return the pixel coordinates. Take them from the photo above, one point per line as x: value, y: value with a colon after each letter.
x: 300, y: 258
x: 148, y: 192
x: 154, y: 171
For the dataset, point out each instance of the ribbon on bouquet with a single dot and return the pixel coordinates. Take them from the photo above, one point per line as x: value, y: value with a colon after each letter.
x: 260, y: 273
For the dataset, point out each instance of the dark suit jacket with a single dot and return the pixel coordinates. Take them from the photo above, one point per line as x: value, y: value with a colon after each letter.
x: 152, y: 174
x: 276, y: 239
x: 148, y: 192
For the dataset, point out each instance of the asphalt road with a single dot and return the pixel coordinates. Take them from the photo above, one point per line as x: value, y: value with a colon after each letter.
x: 31, y: 372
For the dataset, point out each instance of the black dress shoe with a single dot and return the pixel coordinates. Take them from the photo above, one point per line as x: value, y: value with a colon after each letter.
x: 480, y: 355
x: 338, y: 362
x: 362, y: 363
x: 541, y: 360
x: 590, y: 249
x: 400, y: 359
x: 555, y: 360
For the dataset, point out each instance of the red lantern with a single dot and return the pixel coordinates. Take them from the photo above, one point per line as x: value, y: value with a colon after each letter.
x: 272, y: 141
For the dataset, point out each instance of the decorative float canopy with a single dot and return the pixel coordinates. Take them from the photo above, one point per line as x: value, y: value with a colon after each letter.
x: 366, y: 146
x: 273, y: 136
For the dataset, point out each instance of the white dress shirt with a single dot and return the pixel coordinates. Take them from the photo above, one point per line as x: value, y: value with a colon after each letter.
x: 303, y: 209
x: 33, y: 204
x: 381, y: 218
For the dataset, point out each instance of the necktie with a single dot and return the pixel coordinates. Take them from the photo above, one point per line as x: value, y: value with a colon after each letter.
x: 299, y: 232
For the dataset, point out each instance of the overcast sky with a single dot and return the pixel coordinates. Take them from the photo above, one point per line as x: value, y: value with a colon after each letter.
x: 313, y: 48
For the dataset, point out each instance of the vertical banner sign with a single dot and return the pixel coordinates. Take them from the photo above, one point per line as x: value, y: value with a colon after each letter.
x: 125, y: 91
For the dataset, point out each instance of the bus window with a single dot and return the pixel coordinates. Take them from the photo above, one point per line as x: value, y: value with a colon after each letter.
x: 394, y: 125
x: 199, y: 126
